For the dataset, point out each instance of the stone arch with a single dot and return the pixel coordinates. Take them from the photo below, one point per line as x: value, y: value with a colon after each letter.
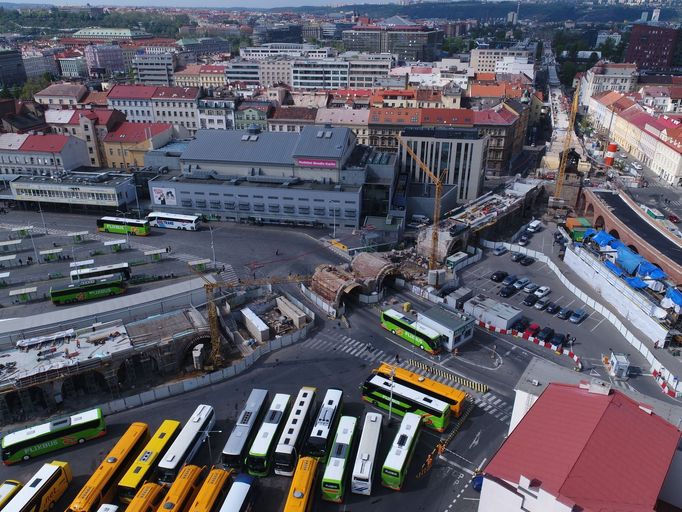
x: 614, y: 233
x: 185, y: 357
x: 348, y: 291
x: 580, y: 203
x: 599, y: 222
x: 82, y: 384
x: 589, y: 211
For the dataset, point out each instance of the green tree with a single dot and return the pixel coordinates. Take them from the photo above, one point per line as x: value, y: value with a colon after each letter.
x: 453, y: 45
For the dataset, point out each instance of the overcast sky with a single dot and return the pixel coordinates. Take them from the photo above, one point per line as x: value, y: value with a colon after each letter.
x: 206, y: 3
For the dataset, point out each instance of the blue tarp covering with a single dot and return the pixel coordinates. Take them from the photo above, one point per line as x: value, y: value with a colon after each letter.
x: 589, y: 232
x: 602, y: 238
x: 674, y: 295
x: 628, y: 260
x: 647, y: 269
x: 635, y: 282
x: 616, y: 244
x: 613, y: 268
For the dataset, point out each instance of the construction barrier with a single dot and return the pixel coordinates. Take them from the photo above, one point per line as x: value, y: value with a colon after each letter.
x: 434, y: 370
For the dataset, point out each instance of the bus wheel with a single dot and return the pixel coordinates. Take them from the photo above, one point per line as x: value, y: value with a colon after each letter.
x: 421, y: 347
x: 26, y: 457
x: 392, y: 331
x: 81, y: 441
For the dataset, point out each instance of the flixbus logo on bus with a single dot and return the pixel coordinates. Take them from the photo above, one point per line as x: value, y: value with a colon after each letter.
x: 42, y: 446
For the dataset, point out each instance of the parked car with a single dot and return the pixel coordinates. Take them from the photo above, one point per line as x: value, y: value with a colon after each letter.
x: 531, y: 287
x: 558, y: 339
x: 498, y: 276
x: 624, y: 156
x: 553, y: 308
x: 532, y: 330
x: 578, y: 316
x: 520, y: 283
x: 637, y: 166
x: 517, y: 256
x: 545, y: 334
x: 530, y: 300
x: 527, y: 260
x: 499, y: 251
x: 674, y: 218
x: 543, y: 291
x: 507, y: 291
x: 509, y: 280
x: 541, y: 303
x: 524, y: 240
x: 564, y: 313
x: 521, y: 324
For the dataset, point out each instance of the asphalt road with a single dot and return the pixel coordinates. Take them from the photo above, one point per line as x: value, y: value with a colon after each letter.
x: 645, y: 230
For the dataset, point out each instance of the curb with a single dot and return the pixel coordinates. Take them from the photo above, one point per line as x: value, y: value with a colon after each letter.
x: 471, y: 384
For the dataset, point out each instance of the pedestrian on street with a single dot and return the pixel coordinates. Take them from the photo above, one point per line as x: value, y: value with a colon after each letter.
x: 397, y: 359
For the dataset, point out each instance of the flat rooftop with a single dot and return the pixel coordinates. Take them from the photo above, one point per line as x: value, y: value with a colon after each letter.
x: 79, y: 179
x: 291, y: 184
x: 646, y: 231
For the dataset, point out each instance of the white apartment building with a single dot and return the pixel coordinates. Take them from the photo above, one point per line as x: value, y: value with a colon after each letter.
x: 244, y: 71
x: 73, y: 67
x: 216, y: 113
x: 266, y: 51
x: 320, y: 74
x: 40, y: 155
x: 135, y: 101
x: 39, y: 62
x: 484, y: 60
x: 516, y: 66
x: 365, y: 69
x: 275, y: 71
x: 155, y: 69
x: 605, y: 35
x: 178, y: 106
x: 607, y: 76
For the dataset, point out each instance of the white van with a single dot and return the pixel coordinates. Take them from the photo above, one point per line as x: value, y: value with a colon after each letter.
x: 534, y: 226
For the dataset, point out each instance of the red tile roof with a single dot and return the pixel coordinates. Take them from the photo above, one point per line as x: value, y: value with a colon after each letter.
x: 485, y: 77
x: 295, y: 114
x: 95, y: 98
x: 447, y: 116
x: 611, y: 456
x: 136, y: 132
x: 51, y: 143
x: 101, y: 116
x: 176, y: 93
x: 490, y: 116
x: 395, y: 116
x: 135, y: 92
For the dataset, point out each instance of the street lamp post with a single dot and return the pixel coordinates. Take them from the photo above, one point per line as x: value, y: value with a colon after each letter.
x: 390, y: 401
x: 210, y: 230
x: 35, y: 251
x: 42, y: 217
x: 208, y: 440
x: 125, y: 216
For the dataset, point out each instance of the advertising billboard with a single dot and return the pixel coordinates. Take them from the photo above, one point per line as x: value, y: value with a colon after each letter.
x: 164, y: 196
x: 316, y: 162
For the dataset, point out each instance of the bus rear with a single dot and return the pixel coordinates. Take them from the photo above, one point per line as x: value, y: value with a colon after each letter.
x: 183, y: 491
x: 242, y: 495
x: 147, y: 499
x: 8, y: 489
x: 212, y: 491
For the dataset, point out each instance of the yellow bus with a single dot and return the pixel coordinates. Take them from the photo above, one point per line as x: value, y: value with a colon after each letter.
x: 144, y: 466
x: 412, y: 380
x: 8, y: 489
x: 301, y: 493
x: 183, y: 491
x: 147, y: 499
x: 101, y: 486
x: 43, y: 489
x: 212, y: 491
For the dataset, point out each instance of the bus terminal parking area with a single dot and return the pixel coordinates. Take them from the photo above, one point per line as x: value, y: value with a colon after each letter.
x: 447, y: 483
x: 43, y: 262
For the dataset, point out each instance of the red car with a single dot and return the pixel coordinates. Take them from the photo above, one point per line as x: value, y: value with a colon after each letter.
x: 674, y: 218
x: 532, y: 330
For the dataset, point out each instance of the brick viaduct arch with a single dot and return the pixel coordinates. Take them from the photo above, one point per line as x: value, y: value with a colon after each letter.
x: 602, y: 218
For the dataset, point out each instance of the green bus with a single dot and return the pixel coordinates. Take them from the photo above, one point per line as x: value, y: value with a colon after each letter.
x: 419, y: 335
x: 123, y: 225
x: 88, y: 289
x: 435, y: 413
x: 397, y: 462
x: 47, y: 437
x: 334, y: 478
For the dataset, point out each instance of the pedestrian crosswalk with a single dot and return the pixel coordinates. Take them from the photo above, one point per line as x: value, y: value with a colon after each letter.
x: 335, y: 341
x: 623, y: 385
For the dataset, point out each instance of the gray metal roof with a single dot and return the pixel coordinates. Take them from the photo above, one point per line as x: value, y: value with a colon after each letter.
x: 227, y: 146
x: 319, y: 141
x: 447, y: 318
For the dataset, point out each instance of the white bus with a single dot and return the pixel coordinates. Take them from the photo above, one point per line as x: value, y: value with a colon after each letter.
x: 173, y: 221
x: 364, y: 468
x: 43, y: 490
x: 187, y: 444
x: 295, y: 430
x: 260, y: 454
x: 244, y: 430
x: 105, y: 270
x: 327, y: 419
x: 242, y: 495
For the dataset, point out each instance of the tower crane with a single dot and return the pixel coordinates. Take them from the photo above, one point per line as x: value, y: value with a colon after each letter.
x: 567, y: 145
x: 438, y: 182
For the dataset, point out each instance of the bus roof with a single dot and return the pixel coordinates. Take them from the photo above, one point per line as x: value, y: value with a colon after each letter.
x: 331, y: 401
x: 245, y: 422
x: 396, y: 315
x: 425, y: 400
x: 273, y: 418
x: 177, y: 216
x: 442, y: 391
x: 124, y: 220
x: 369, y: 440
x: 44, y: 428
x: 238, y: 492
x: 42, y: 476
x: 403, y: 439
x: 185, y: 437
x: 340, y: 452
x: 304, y: 476
x: 300, y: 409
x: 149, y: 453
